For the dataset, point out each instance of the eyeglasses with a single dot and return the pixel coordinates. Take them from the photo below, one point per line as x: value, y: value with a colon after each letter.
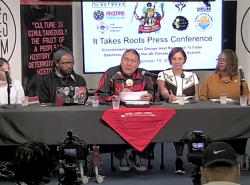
x: 221, y: 60
x: 67, y: 63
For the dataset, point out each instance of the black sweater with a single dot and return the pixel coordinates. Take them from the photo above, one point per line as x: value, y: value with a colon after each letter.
x: 50, y: 82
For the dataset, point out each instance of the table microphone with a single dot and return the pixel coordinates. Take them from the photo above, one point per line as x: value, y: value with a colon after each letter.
x: 146, y: 73
x: 8, y: 106
x: 154, y: 76
x: 7, y: 76
x: 115, y: 76
x: 242, y: 79
x: 242, y: 76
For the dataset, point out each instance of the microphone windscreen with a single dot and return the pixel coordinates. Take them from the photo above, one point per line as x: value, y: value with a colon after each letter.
x: 239, y: 67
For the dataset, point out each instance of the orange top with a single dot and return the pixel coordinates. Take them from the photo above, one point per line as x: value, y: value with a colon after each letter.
x: 213, y: 87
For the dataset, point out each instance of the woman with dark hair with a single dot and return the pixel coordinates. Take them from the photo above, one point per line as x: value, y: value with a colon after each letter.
x: 174, y: 82
x: 226, y: 79
x: 32, y: 164
x: 16, y: 91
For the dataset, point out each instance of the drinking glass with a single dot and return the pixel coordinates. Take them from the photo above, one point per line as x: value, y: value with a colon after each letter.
x: 223, y: 98
x: 95, y: 101
x: 181, y: 99
x: 243, y: 100
x: 25, y: 101
x: 116, y: 102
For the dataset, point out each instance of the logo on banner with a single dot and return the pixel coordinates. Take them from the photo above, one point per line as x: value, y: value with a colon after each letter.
x: 203, y: 22
x: 102, y: 27
x: 151, y: 18
x: 110, y: 4
x: 98, y: 15
x: 115, y: 15
x: 8, y: 32
x: 180, y: 4
x: 205, y: 6
x: 180, y: 23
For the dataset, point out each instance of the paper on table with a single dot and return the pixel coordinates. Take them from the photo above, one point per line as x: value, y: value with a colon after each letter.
x: 218, y: 100
x: 137, y: 102
x: 132, y: 96
x: 187, y: 99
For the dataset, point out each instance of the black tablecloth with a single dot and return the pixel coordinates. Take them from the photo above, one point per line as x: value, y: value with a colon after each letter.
x: 50, y: 124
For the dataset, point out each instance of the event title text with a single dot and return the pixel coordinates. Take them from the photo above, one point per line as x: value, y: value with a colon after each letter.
x: 127, y: 40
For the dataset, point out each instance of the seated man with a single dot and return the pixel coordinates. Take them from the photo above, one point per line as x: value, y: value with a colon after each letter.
x: 62, y: 75
x: 32, y: 164
x: 219, y: 164
x: 129, y: 80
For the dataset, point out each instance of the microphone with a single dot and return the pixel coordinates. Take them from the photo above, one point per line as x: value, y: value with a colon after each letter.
x: 8, y: 77
x: 146, y: 73
x: 242, y: 76
x: 115, y: 76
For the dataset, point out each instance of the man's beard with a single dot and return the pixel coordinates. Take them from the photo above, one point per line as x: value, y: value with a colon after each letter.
x: 65, y: 73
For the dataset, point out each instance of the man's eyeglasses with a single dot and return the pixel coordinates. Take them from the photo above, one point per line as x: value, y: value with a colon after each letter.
x: 221, y: 60
x: 67, y: 63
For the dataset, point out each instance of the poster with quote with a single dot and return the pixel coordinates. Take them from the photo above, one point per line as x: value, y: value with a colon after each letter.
x: 44, y: 26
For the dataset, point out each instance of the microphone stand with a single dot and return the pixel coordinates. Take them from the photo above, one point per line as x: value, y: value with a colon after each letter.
x: 241, y: 86
x: 8, y: 106
x: 154, y: 95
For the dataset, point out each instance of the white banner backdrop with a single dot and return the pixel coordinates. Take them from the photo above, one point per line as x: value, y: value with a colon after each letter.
x: 243, y: 36
x: 10, y: 41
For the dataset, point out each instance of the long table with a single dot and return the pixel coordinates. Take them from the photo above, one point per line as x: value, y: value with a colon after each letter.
x: 50, y: 124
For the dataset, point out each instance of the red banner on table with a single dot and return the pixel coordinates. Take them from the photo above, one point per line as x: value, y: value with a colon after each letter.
x: 138, y: 126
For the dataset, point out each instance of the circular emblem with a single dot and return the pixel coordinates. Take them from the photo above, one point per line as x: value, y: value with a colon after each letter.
x: 244, y: 30
x: 203, y: 22
x: 81, y: 98
x: 8, y: 32
x: 98, y: 15
x: 67, y: 100
x: 66, y: 91
x: 180, y: 23
x: 102, y: 27
x: 129, y: 82
x: 59, y: 92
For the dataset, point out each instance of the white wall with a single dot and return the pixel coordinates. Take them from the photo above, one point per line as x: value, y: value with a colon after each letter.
x: 93, y: 79
x: 241, y: 51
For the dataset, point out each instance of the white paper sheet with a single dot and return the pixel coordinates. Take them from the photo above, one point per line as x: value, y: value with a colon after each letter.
x: 187, y: 98
x: 137, y: 102
x: 132, y: 96
x: 218, y: 100
x: 228, y: 100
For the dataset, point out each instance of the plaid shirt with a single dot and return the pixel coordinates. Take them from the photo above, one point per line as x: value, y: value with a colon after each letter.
x: 107, y: 89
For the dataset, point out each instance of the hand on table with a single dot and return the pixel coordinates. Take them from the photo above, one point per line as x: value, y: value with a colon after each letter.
x: 172, y: 98
x: 146, y: 97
